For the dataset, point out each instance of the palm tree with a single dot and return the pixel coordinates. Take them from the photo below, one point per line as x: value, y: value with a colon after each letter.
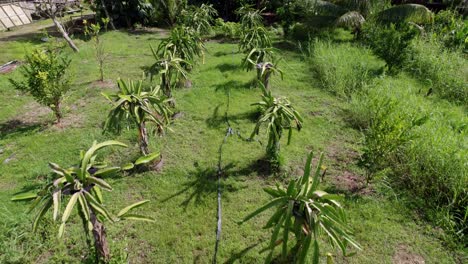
x: 139, y: 106
x: 83, y: 185
x: 278, y: 114
x: 306, y: 212
x: 353, y: 13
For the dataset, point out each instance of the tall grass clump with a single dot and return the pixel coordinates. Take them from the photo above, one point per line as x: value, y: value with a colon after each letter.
x: 422, y: 147
x: 445, y: 71
x: 342, y: 68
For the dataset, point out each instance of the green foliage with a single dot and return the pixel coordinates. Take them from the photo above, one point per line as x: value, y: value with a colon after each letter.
x: 443, y: 71
x: 138, y: 106
x: 199, y: 18
x: 167, y: 12
x: 126, y: 13
x: 230, y: 30
x: 184, y: 43
x: 342, y: 69
x: 386, y: 130
x: 306, y: 212
x: 257, y: 37
x: 422, y: 146
x: 451, y: 29
x: 47, y: 78
x: 253, y: 34
x: 390, y: 43
x: 170, y: 69
x: 278, y: 114
x: 83, y: 185
x: 93, y: 31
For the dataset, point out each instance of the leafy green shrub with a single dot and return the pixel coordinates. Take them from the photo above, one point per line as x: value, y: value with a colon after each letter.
x: 47, y: 78
x: 390, y: 43
x: 451, y: 29
x: 230, y: 30
x: 386, y: 126
x: 83, y: 185
x: 138, y: 106
x: 423, y: 144
x: 446, y: 71
x: 306, y: 212
x: 279, y: 115
x: 341, y: 68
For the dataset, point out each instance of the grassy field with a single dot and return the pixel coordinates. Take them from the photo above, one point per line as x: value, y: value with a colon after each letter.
x: 183, y: 196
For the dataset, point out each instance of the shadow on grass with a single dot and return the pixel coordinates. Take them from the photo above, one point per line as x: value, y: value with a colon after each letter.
x: 203, y: 182
x: 16, y: 127
x: 226, y: 86
x: 218, y: 119
x: 238, y: 255
x: 225, y: 67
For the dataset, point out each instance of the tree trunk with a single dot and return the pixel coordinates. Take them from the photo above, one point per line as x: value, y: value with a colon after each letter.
x: 57, y: 112
x: 64, y: 34
x: 100, y: 240
x: 103, y: 3
x: 143, y: 134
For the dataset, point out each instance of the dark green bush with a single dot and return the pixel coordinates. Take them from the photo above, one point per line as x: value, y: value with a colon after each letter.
x: 451, y: 29
x: 422, y: 145
x: 391, y: 43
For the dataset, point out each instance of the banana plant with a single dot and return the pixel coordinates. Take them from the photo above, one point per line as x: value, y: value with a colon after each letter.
x: 82, y: 186
x: 278, y: 114
x: 138, y: 106
x: 263, y: 60
x: 304, y: 213
x: 171, y: 70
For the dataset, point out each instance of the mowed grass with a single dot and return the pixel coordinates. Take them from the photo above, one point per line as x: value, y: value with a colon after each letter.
x: 184, y: 195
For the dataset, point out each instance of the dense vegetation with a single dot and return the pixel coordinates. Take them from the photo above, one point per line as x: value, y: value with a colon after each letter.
x: 357, y: 82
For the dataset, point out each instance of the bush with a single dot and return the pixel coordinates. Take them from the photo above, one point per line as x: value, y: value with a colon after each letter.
x: 230, y: 30
x: 450, y: 28
x: 427, y: 157
x: 390, y: 43
x: 46, y: 78
x: 338, y: 70
x: 445, y: 70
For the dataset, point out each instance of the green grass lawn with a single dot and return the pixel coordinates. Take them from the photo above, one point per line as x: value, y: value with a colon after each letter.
x: 184, y: 195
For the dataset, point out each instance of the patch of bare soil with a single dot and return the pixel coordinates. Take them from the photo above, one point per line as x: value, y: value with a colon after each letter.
x: 340, y: 158
x: 404, y: 256
x: 68, y: 121
x: 103, y: 84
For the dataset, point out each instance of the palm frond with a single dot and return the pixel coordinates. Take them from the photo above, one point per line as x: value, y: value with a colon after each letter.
x: 415, y: 13
x: 350, y: 19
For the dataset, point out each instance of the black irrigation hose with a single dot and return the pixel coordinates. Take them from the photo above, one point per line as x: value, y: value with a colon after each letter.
x: 229, y: 132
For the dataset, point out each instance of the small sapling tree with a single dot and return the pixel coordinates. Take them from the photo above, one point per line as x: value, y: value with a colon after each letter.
x: 47, y: 78
x: 262, y: 59
x: 93, y: 31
